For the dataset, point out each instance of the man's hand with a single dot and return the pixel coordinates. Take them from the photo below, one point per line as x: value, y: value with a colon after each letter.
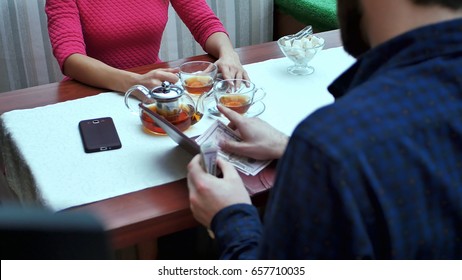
x: 209, y: 194
x: 259, y: 139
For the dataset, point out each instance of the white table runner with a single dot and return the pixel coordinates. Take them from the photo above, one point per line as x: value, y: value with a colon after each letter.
x: 55, y: 171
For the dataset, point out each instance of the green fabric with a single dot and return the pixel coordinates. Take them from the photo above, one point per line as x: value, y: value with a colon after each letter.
x: 321, y: 14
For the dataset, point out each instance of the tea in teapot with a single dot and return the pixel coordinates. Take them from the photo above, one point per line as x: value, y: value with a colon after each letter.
x: 169, y: 101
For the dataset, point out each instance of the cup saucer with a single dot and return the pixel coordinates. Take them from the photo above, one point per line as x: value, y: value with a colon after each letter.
x: 255, y: 110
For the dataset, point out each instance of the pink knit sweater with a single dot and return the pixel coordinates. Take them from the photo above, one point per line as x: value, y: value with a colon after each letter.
x: 122, y: 33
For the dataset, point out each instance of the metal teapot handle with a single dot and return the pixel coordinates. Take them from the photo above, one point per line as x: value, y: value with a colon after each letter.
x: 134, y: 92
x: 200, y: 106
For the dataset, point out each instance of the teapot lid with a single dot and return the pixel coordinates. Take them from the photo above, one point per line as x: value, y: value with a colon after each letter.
x: 167, y: 91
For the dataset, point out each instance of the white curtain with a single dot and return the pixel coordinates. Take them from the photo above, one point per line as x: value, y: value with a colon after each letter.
x: 26, y: 57
x: 248, y: 22
x: 25, y: 53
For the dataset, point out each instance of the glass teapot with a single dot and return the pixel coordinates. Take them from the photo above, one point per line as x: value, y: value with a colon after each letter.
x: 169, y: 101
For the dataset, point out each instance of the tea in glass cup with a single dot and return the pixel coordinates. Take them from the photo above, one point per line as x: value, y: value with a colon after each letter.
x: 237, y: 95
x: 238, y: 103
x: 197, y: 77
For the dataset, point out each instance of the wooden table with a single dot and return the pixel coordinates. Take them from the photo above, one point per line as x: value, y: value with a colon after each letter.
x: 142, y: 216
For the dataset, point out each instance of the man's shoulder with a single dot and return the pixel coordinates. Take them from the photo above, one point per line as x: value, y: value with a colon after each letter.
x: 378, y: 111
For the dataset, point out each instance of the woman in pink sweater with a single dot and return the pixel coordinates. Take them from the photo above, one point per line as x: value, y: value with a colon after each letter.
x: 94, y: 41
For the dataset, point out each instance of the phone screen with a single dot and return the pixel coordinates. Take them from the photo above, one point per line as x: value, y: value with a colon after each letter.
x: 99, y: 135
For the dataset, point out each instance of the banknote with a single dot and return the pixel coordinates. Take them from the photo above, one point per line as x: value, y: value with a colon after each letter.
x: 209, y: 153
x: 217, y: 131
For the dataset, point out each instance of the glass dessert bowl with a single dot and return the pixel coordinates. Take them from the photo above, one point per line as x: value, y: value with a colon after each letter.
x: 301, y: 50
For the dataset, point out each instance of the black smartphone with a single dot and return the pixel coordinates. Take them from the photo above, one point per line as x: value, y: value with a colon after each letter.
x: 99, y: 135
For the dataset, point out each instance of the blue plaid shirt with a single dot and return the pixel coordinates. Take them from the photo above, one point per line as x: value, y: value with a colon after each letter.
x: 377, y: 174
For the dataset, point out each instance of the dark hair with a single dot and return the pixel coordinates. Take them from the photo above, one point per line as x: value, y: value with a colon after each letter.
x: 452, y: 4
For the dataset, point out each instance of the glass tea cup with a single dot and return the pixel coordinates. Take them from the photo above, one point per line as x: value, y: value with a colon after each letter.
x: 238, y: 95
x: 197, y: 77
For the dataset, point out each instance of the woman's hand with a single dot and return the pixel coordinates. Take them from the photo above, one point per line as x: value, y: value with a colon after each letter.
x: 95, y: 73
x: 229, y: 64
x: 231, y: 68
x: 155, y: 77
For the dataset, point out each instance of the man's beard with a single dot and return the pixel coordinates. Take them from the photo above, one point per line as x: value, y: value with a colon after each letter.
x: 350, y: 16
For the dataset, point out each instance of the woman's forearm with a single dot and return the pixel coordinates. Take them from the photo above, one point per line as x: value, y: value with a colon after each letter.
x: 219, y: 45
x: 95, y: 73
